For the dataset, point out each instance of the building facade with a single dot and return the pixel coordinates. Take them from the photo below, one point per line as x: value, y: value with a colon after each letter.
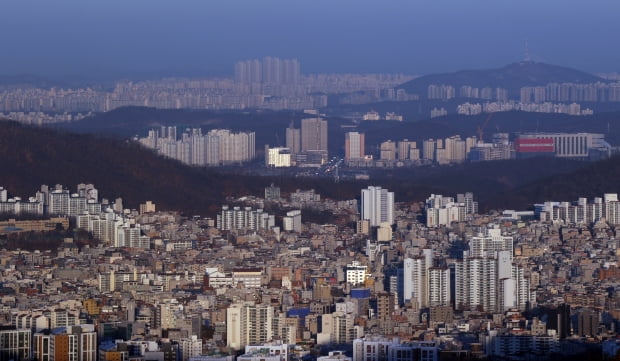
x: 377, y: 205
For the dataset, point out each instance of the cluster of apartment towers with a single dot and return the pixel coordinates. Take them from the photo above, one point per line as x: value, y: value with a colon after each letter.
x: 104, y: 218
x: 485, y: 278
x: 305, y: 146
x: 217, y: 147
x: 308, y: 147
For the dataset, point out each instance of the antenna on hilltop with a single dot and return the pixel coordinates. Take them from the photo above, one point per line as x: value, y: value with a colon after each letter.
x: 527, y: 53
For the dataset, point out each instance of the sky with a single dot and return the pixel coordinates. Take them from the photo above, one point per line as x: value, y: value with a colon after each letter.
x: 111, y: 38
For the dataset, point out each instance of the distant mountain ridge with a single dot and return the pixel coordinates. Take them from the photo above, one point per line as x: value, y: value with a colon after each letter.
x: 511, y: 77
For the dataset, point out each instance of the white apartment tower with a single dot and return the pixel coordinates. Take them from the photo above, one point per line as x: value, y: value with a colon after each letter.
x: 292, y: 221
x: 416, y: 278
x: 493, y: 241
x: 487, y: 279
x: 269, y: 70
x: 439, y: 286
x: 377, y: 206
x: 471, y: 206
x: 476, y: 283
x: 442, y: 211
x: 246, y: 218
x: 218, y: 146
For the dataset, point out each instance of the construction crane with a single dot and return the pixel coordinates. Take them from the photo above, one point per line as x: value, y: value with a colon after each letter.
x: 480, y: 130
x: 278, y: 141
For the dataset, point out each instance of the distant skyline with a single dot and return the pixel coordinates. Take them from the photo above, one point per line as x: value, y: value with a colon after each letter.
x: 119, y: 38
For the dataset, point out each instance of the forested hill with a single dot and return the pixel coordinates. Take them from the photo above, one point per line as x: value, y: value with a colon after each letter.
x: 591, y: 181
x: 32, y: 156
x: 511, y: 77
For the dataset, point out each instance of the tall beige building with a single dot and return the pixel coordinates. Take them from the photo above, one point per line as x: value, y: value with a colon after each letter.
x: 428, y: 149
x: 404, y: 149
x: 248, y: 324
x: 454, y: 151
x: 354, y: 145
x: 314, y: 140
x: 387, y: 150
x: 313, y: 134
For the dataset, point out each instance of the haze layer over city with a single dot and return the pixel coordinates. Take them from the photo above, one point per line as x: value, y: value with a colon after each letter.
x: 192, y: 37
x: 309, y: 181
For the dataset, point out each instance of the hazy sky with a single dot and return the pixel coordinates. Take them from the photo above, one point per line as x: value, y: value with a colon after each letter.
x: 120, y: 37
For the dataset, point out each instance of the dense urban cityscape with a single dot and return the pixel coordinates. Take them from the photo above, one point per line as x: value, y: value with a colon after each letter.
x: 309, y: 181
x: 436, y: 279
x: 263, y: 279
